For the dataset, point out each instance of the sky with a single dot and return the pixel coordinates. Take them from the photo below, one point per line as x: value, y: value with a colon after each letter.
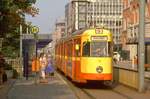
x: 49, y: 11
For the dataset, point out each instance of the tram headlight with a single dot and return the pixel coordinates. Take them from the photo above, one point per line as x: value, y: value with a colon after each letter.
x: 99, y: 69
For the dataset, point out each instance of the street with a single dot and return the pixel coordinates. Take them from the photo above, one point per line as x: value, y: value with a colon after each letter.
x: 98, y: 90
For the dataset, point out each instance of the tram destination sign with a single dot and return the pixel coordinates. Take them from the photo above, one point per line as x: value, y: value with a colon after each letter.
x: 99, y: 38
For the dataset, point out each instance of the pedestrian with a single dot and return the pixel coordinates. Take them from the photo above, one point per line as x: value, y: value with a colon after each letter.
x: 43, y: 64
x: 36, y: 67
x: 35, y: 64
x: 49, y: 68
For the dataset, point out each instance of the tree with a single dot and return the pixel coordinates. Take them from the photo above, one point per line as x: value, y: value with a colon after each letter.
x: 12, y: 14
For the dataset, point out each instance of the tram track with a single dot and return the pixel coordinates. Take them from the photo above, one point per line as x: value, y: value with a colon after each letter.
x: 93, y: 92
x: 80, y: 93
x: 88, y: 94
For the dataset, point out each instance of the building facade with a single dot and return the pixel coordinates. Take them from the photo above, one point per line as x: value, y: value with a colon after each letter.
x: 81, y: 14
x: 58, y: 33
x: 59, y: 29
x: 130, y: 28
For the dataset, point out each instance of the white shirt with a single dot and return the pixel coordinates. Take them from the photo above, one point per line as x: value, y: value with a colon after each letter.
x: 43, y: 61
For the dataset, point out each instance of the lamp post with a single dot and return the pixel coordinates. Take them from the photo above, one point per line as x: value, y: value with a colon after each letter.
x: 141, y: 47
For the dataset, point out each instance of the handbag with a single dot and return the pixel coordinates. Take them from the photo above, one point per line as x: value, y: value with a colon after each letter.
x: 49, y: 68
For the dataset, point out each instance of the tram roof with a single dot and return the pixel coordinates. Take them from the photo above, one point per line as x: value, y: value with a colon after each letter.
x: 74, y: 34
x: 77, y: 33
x: 80, y: 32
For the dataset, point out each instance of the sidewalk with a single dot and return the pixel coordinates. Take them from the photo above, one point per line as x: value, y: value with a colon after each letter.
x: 4, y: 88
x: 54, y: 89
x: 130, y: 93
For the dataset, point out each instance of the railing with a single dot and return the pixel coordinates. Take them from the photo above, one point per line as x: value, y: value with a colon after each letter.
x: 15, y: 63
x: 126, y: 72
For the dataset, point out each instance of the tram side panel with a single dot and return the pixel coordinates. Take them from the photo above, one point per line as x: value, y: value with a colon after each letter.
x: 59, y: 58
x: 56, y: 56
x: 77, y: 61
x: 69, y: 59
x: 64, y: 58
x: 61, y: 62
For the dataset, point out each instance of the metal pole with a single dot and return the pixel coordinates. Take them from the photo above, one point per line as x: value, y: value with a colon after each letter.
x: 27, y: 30
x: 141, y: 47
x: 36, y: 75
x: 21, y: 67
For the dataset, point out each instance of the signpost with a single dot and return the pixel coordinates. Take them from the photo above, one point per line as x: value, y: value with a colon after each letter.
x: 35, y: 31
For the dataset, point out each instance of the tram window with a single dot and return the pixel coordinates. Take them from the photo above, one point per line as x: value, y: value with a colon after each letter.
x: 86, y: 49
x: 69, y: 50
x: 99, y: 49
x: 77, y: 50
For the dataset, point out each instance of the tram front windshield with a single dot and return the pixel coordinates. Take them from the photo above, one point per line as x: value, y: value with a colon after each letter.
x: 96, y: 49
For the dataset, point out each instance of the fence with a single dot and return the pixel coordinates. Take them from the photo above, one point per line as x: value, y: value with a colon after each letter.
x: 15, y: 63
x: 127, y: 73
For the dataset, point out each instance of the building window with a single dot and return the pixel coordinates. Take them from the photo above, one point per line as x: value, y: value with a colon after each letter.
x: 63, y: 30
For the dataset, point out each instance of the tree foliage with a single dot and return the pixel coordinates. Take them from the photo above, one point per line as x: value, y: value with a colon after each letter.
x: 12, y: 14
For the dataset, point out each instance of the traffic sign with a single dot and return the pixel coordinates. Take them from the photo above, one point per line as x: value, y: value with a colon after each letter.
x: 34, y: 29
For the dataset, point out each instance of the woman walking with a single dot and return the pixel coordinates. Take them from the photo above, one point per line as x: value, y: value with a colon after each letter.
x: 43, y: 64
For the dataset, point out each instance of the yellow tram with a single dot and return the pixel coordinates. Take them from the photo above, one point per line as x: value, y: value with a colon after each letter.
x: 86, y: 55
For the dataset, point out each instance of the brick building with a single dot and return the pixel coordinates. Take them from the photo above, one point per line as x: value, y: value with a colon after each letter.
x: 130, y: 30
